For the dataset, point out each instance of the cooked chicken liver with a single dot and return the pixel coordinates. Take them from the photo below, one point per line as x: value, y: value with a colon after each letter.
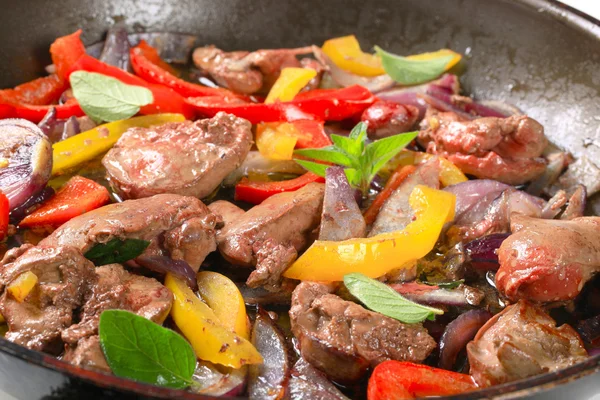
x: 186, y: 158
x: 182, y: 226
x: 519, y: 342
x: 64, y: 276
x: 506, y: 149
x: 87, y: 354
x: 386, y: 118
x: 342, y: 339
x: 548, y: 260
x: 282, y: 222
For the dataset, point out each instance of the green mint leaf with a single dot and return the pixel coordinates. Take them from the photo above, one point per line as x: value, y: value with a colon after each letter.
x: 108, y: 99
x: 351, y: 147
x: 313, y: 167
x: 116, y: 251
x: 383, y: 150
x: 381, y: 298
x: 353, y: 176
x: 139, y: 349
x: 412, y: 72
x: 327, y: 154
x: 359, y: 132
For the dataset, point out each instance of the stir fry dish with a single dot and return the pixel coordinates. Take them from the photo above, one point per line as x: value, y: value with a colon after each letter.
x: 319, y: 222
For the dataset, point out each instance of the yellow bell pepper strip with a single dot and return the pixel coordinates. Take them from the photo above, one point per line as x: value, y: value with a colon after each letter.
x: 438, y: 54
x: 345, y: 52
x: 289, y: 84
x: 450, y: 174
x: 22, y: 285
x: 375, y: 256
x: 209, y: 338
x: 224, y: 298
x: 275, y: 143
x: 89, y: 144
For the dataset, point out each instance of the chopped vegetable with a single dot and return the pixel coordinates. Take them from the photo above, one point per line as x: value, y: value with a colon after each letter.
x: 396, y: 380
x: 22, y: 285
x: 380, y: 254
x: 393, y: 183
x: 257, y: 192
x: 450, y: 174
x: 289, y: 84
x: 148, y: 65
x: 166, y: 100
x: 323, y: 105
x: 419, y: 68
x: 116, y: 251
x: 211, y: 340
x: 87, y: 145
x: 4, y: 211
x: 275, y: 143
x: 139, y: 349
x: 40, y: 91
x: 104, y: 98
x: 224, y: 298
x: 65, y: 52
x: 36, y: 113
x: 345, y: 52
x: 362, y: 160
x: 78, y: 196
x: 381, y: 298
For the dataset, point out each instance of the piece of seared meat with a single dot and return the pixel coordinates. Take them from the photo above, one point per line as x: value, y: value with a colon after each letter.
x: 396, y: 213
x: 386, y: 118
x: 343, y: 339
x: 64, y: 276
x: 115, y: 288
x: 87, y: 354
x: 505, y: 149
x: 519, y: 342
x: 282, y: 224
x: 186, y: 158
x: 179, y: 225
x: 547, y: 260
x: 246, y: 72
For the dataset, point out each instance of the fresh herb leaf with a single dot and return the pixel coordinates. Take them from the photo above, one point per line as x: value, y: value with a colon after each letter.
x: 139, y: 349
x: 116, y: 251
x: 104, y: 98
x: 327, y: 154
x: 362, y: 161
x: 446, y: 285
x: 415, y: 70
x: 383, y: 299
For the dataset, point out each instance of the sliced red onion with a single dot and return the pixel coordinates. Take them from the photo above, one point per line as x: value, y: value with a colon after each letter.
x: 482, y: 252
x: 432, y: 295
x: 557, y: 162
x: 473, y: 198
x: 116, y: 47
x: 26, y: 157
x: 577, y: 202
x: 164, y: 264
x: 589, y: 329
x: 214, y: 381
x: 341, y: 218
x: 48, y: 123
x: 307, y: 382
x: 268, y: 380
x: 344, y: 78
x: 261, y: 296
x: 66, y: 96
x: 468, y: 105
x: 20, y: 212
x: 445, y: 106
x: 458, y: 333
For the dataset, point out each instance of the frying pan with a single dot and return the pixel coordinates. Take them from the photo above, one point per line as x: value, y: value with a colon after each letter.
x: 539, y: 55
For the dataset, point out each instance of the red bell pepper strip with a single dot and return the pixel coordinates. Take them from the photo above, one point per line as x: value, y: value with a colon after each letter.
x: 78, y: 196
x: 312, y: 134
x: 3, y: 216
x: 65, y: 51
x: 39, y: 91
x: 36, y: 113
x: 166, y: 100
x: 148, y: 65
x: 256, y: 113
x: 257, y: 192
x: 324, y: 105
x: 395, y: 380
